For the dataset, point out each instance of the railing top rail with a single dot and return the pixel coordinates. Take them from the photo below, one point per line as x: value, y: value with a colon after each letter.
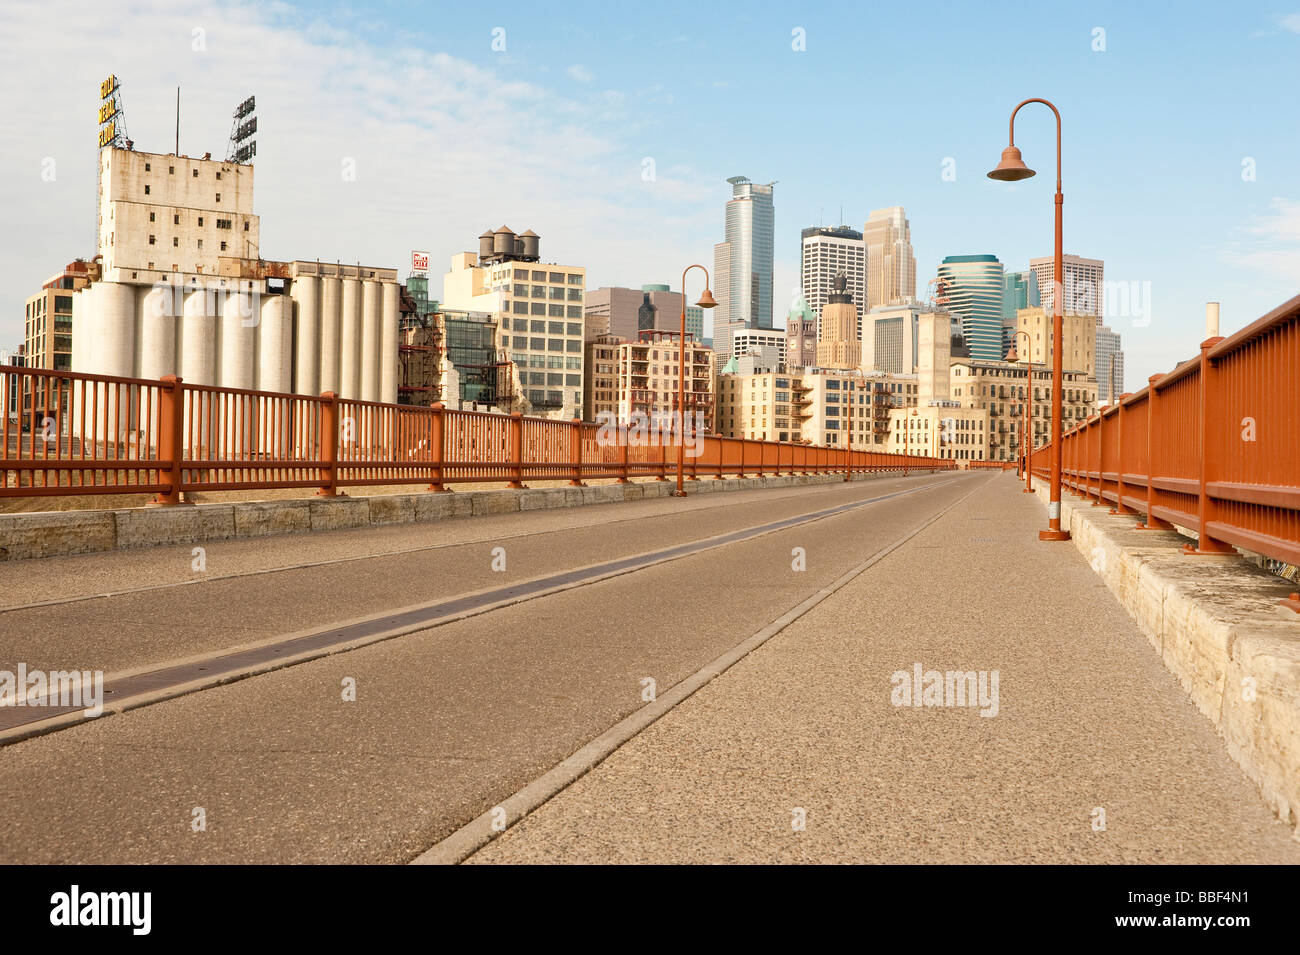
x: 1288, y: 311
x: 74, y: 375
x: 248, y: 392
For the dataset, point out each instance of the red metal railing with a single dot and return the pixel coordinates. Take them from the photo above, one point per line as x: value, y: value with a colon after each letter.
x: 70, y: 433
x: 1213, y: 446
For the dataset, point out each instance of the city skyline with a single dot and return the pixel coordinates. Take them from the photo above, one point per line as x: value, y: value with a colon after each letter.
x: 591, y: 208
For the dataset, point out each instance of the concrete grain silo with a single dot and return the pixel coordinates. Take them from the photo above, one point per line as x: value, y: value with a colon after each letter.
x: 331, y: 316
x: 350, y: 340
x: 114, y: 331
x: 275, y: 344
x: 199, y: 337
x: 238, y: 339
x: 305, y: 290
x: 371, y: 321
x: 159, y: 316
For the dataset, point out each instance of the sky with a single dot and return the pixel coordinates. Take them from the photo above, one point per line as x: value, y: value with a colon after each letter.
x: 610, y: 129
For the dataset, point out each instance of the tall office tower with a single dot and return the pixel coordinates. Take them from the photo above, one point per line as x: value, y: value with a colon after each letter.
x: 1019, y: 291
x: 891, y: 266
x: 825, y: 252
x: 838, y: 345
x: 742, y: 262
x: 1083, y: 280
x: 974, y: 285
x: 1108, y: 345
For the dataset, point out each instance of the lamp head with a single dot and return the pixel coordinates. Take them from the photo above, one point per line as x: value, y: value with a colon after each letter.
x: 707, y: 300
x: 1012, y: 168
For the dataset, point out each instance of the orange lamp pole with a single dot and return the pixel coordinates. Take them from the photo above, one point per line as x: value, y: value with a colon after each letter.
x: 706, y: 301
x: 1012, y: 169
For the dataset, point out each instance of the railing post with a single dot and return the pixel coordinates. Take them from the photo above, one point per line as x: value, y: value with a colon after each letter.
x: 329, y: 444
x: 575, y: 452
x: 516, y: 437
x: 741, y: 473
x: 1205, y: 544
x: 1152, y: 523
x: 1119, y: 507
x: 438, y: 444
x: 171, y: 437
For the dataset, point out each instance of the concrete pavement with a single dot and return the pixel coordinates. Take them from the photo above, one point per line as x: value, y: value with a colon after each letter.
x: 1095, y: 755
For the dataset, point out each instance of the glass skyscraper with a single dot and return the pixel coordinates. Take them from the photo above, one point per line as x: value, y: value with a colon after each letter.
x: 973, y: 287
x: 742, y: 262
x: 1019, y: 291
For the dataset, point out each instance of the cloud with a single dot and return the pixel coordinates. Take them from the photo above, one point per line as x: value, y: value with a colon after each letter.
x: 580, y: 73
x: 1290, y: 22
x: 443, y: 145
x: 1271, y: 241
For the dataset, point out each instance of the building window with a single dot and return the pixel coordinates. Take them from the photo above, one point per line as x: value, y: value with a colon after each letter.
x: 223, y: 247
x: 556, y: 311
x: 538, y: 308
x: 171, y: 170
x: 146, y: 190
x: 176, y: 220
x: 175, y: 242
x: 151, y: 217
x: 218, y: 197
x: 574, y: 311
x: 245, y: 226
x: 575, y: 279
x: 200, y: 221
x: 196, y: 174
x: 151, y: 240
x: 146, y: 167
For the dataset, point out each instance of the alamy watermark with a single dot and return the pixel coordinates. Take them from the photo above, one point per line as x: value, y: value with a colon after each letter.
x: 65, y: 688
x: 661, y: 429
x: 922, y: 687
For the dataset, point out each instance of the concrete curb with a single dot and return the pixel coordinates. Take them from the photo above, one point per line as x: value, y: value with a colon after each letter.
x: 1216, y: 624
x: 63, y: 533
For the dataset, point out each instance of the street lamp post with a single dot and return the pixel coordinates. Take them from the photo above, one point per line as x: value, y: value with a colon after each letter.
x: 1012, y: 169
x: 706, y: 301
x: 1026, y: 439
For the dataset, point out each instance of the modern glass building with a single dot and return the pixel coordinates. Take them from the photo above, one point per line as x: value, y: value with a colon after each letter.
x: 974, y: 286
x: 470, y: 340
x: 1020, y: 290
x: 742, y: 262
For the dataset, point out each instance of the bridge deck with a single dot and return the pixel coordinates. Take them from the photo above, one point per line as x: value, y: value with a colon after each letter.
x: 455, y: 716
